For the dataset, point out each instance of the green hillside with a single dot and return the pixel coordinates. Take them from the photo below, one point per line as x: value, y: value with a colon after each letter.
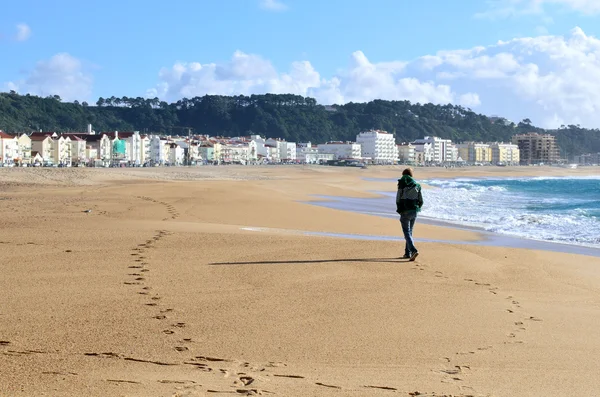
x: 291, y: 117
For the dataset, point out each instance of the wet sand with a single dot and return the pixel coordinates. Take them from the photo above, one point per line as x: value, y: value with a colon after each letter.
x: 166, y: 288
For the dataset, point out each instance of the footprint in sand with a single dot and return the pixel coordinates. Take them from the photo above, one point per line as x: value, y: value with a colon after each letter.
x: 326, y: 385
x: 181, y: 348
x: 289, y: 376
x: 381, y: 387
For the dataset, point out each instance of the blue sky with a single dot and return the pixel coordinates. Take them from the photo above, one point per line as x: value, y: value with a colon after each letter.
x: 83, y: 50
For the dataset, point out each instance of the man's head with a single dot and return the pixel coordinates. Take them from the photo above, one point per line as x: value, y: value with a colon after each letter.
x: 408, y: 171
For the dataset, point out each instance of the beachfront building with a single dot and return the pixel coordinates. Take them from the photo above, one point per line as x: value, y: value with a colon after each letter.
x: 379, y: 146
x: 42, y: 143
x: 419, y: 158
x: 286, y: 150
x: 176, y: 153
x: 474, y: 152
x: 587, y: 159
x: 144, y: 149
x: 237, y: 153
x: 309, y: 154
x: 24, y: 150
x: 91, y: 154
x: 424, y: 152
x: 261, y: 149
x: 62, y: 150
x: 437, y: 150
x: 406, y: 153
x: 9, y: 149
x: 36, y: 158
x: 206, y: 151
x: 537, y: 148
x: 78, y: 150
x: 272, y: 153
x: 99, y: 148
x: 159, y: 150
x: 505, y: 153
x: 342, y: 150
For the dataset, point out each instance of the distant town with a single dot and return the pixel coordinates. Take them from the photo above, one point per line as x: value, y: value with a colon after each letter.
x: 123, y: 149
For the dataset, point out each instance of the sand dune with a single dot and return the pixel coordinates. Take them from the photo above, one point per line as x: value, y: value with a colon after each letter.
x: 196, y: 282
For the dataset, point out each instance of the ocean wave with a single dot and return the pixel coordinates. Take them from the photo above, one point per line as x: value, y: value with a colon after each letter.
x: 547, y: 208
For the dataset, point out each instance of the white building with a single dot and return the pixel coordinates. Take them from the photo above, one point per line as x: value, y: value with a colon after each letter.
x: 145, y: 149
x: 260, y: 142
x: 134, y: 148
x: 9, y: 149
x: 309, y: 154
x: 159, y: 150
x: 62, y: 150
x: 379, y: 146
x: 436, y: 150
x: 272, y: 153
x: 406, y: 153
x: 341, y: 150
x: 78, y: 150
x: 176, y: 154
x: 287, y: 150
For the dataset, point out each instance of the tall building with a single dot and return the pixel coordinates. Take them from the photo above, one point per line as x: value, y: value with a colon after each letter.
x: 537, y: 148
x: 505, y: 153
x: 379, y: 146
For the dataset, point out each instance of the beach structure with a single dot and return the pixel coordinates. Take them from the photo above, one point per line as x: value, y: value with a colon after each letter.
x: 535, y: 148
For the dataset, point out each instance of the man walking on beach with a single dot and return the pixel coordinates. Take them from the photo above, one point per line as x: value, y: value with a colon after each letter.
x: 409, y: 201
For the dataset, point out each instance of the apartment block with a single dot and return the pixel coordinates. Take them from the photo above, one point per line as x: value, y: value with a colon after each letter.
x: 537, y: 148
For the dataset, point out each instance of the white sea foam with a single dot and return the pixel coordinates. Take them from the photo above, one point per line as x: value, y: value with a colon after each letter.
x: 515, y: 212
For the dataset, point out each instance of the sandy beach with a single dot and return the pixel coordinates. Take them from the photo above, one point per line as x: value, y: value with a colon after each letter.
x: 197, y: 282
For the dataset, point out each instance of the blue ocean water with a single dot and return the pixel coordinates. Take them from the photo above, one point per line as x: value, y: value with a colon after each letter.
x: 558, y: 209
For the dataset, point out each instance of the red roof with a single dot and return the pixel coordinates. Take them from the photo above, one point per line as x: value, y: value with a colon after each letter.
x: 40, y: 137
x: 5, y: 135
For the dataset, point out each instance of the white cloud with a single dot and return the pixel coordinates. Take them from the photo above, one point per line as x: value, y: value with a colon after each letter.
x: 552, y: 80
x: 251, y: 74
x: 514, y: 8
x: 23, y: 32
x: 273, y: 5
x: 61, y: 75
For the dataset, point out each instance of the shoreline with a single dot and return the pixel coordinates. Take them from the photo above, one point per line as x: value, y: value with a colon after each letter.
x: 487, y: 238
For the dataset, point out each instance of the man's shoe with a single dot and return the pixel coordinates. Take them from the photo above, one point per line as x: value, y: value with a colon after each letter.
x: 413, y: 256
x: 405, y: 257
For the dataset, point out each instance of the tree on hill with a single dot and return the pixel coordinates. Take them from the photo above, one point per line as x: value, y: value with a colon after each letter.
x: 286, y: 116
